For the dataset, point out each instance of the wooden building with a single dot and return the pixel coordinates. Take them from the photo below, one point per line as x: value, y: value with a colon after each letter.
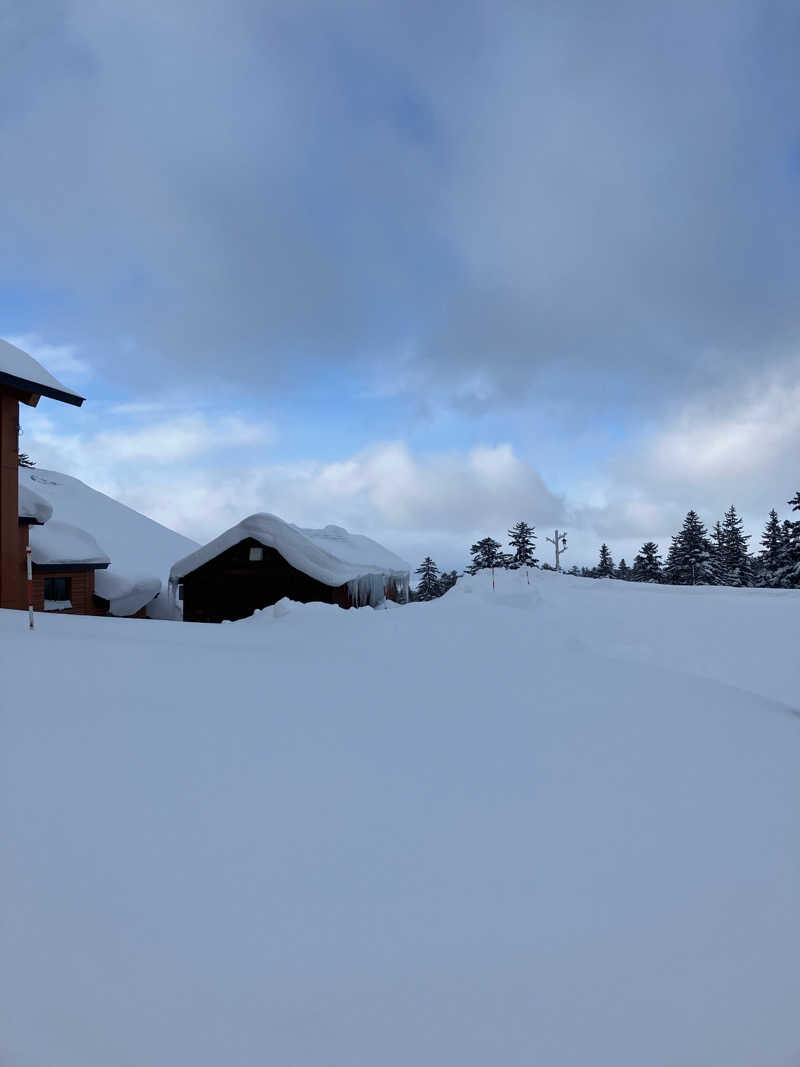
x: 22, y: 381
x: 65, y: 559
x: 263, y: 559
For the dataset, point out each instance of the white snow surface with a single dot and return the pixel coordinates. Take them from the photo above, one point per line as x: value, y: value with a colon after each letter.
x: 547, y: 824
x: 32, y: 505
x: 61, y: 542
x: 18, y: 363
x: 356, y: 549
x: 141, y: 550
x: 331, y: 556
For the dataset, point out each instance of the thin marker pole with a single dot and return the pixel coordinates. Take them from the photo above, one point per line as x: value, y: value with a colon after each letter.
x: 30, y: 587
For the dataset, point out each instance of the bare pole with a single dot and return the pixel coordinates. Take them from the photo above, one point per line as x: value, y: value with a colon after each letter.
x: 559, y: 540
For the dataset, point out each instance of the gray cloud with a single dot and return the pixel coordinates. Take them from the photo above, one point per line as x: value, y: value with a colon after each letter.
x: 489, y: 190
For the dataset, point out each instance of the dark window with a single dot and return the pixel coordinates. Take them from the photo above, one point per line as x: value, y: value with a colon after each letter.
x: 58, y: 588
x: 180, y: 591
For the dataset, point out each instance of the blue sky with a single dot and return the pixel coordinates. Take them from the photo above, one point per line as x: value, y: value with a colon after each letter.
x: 420, y: 271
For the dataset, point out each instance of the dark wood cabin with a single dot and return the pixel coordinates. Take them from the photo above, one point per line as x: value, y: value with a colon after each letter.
x: 249, y: 576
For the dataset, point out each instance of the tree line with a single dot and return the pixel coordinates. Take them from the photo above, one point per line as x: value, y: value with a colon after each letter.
x: 695, y: 557
x: 719, y: 557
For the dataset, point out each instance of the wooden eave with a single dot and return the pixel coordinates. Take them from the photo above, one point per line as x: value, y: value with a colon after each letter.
x: 28, y: 392
x: 68, y: 568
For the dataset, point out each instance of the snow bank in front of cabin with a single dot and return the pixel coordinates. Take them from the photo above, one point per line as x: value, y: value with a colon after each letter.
x: 33, y: 505
x: 509, y: 826
x: 365, y: 580
x: 141, y: 550
x: 62, y: 543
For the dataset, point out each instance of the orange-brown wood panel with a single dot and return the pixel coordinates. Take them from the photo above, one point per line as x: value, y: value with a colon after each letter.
x: 81, y: 592
x: 9, y: 501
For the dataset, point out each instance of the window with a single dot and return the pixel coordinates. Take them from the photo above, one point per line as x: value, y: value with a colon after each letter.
x: 180, y: 591
x: 58, y: 588
x: 256, y: 554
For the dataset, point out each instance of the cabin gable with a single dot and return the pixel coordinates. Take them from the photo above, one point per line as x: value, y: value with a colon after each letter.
x: 232, y: 585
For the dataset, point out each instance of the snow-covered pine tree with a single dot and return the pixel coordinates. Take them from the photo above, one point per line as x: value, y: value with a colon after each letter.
x: 605, y: 568
x: 623, y: 570
x: 691, y: 555
x: 428, y: 586
x: 522, y: 539
x: 647, y: 564
x: 736, y: 561
x: 789, y: 572
x: 719, y: 558
x: 770, y: 558
x: 485, y: 553
x: 24, y: 460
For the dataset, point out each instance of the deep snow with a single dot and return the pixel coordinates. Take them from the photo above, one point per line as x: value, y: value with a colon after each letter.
x: 551, y: 824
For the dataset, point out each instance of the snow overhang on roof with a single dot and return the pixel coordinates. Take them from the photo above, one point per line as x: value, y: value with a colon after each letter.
x: 33, y: 508
x: 125, y: 595
x: 64, y: 545
x: 27, y: 376
x: 299, y: 549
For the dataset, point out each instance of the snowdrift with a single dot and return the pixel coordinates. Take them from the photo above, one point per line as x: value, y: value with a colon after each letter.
x: 550, y: 824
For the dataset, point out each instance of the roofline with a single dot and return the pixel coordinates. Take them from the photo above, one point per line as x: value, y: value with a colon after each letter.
x: 36, y: 389
x: 68, y: 568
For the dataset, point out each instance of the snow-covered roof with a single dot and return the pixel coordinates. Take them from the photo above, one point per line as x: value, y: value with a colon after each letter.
x: 125, y: 596
x: 61, y: 543
x: 23, y: 372
x: 355, y: 548
x: 141, y: 550
x: 33, y: 506
x: 342, y: 559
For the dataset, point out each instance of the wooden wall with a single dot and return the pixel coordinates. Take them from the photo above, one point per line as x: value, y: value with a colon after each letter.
x: 231, y: 586
x: 82, y: 597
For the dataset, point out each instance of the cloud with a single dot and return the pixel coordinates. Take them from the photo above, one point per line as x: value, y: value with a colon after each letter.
x: 736, y: 446
x: 417, y: 503
x: 246, y: 190
x: 157, y: 444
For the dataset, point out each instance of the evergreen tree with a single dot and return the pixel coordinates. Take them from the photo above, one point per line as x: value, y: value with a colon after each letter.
x: 647, y: 564
x: 691, y: 555
x: 789, y: 570
x: 522, y: 540
x: 623, y: 570
x: 771, y: 557
x: 718, y: 555
x: 428, y: 587
x: 736, y: 565
x: 447, y: 579
x: 24, y: 460
x: 605, y: 568
x: 485, y: 553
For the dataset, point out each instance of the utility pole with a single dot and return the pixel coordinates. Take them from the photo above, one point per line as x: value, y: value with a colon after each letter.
x: 560, y: 542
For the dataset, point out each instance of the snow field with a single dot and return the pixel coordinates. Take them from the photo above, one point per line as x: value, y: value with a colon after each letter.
x: 550, y: 824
